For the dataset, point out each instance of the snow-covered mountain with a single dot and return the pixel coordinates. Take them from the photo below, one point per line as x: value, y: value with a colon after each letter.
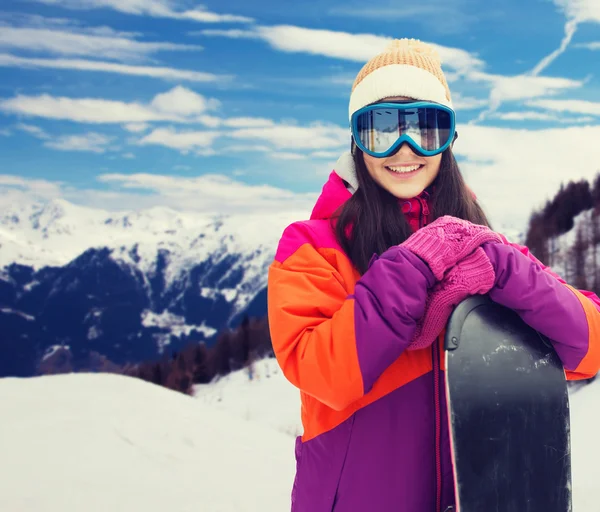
x: 126, y: 284
x: 563, y: 260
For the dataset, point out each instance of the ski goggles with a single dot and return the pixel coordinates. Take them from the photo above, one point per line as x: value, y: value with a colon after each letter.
x: 380, y: 129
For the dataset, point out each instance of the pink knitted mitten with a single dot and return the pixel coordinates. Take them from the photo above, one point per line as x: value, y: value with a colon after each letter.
x: 470, y: 276
x: 446, y: 241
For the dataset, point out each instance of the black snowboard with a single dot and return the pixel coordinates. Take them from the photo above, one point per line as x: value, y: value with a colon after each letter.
x: 508, y: 409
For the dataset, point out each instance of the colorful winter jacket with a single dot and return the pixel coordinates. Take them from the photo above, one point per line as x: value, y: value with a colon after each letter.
x: 374, y: 414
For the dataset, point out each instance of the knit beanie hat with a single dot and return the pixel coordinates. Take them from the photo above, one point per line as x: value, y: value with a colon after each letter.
x: 407, y: 67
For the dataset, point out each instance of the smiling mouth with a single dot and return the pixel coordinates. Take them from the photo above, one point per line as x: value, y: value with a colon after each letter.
x: 404, y: 169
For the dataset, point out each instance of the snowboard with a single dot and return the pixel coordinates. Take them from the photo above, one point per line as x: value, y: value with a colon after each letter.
x: 508, y: 413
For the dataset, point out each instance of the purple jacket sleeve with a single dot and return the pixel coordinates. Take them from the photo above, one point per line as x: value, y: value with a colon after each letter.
x: 541, y: 300
x: 389, y: 300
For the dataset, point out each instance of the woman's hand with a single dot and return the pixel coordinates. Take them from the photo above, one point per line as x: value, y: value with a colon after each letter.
x: 447, y: 241
x: 470, y: 276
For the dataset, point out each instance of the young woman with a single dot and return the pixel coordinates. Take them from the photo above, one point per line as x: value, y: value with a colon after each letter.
x: 360, y: 293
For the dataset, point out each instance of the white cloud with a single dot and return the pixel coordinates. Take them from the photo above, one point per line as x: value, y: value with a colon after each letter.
x: 183, y: 102
x: 284, y: 155
x: 205, y: 16
x: 13, y: 186
x: 179, y: 105
x: 590, y: 46
x: 246, y: 148
x: 86, y: 110
x: 580, y: 10
x: 570, y: 29
x: 513, y: 171
x: 235, y: 122
x: 272, y: 138
x: 183, y: 141
x: 327, y: 155
x: 336, y: 44
x: 248, y: 122
x: 524, y: 116
x: 79, y: 43
x: 91, y: 141
x: 210, y: 121
x: 168, y: 106
x: 136, y: 127
x: 531, y: 84
x: 211, y: 193
x: 165, y: 73
x: 344, y: 80
x: 521, y: 87
x: 155, y: 8
x: 315, y: 136
x: 232, y: 33
x: 461, y: 102
x: 576, y: 12
x: 457, y: 62
x: 528, y: 115
x: 575, y: 106
x: 36, y: 131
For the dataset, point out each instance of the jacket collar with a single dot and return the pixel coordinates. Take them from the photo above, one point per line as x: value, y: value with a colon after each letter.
x: 342, y: 183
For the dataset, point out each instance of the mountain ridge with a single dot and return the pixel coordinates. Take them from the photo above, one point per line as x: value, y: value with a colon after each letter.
x: 127, y: 284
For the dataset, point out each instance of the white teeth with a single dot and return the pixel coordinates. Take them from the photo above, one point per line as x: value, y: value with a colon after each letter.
x: 404, y: 168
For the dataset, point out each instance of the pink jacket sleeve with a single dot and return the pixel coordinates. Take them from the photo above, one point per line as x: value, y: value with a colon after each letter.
x: 567, y: 316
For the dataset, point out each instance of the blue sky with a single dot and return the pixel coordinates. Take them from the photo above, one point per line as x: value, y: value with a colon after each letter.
x: 236, y: 105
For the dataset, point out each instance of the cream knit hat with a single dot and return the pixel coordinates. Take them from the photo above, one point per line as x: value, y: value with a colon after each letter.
x: 407, y: 67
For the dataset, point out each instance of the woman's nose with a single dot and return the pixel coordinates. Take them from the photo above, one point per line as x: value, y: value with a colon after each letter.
x: 406, y: 148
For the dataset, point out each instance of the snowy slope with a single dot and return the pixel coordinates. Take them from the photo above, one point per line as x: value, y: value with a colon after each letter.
x: 99, y: 443
x: 263, y: 396
x: 269, y: 399
x: 585, y: 419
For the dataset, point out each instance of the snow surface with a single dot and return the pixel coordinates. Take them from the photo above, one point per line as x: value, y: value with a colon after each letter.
x: 9, y: 311
x: 262, y: 395
x: 61, y: 231
x: 253, y: 400
x: 175, y: 323
x: 585, y: 447
x: 50, y: 351
x: 100, y: 442
x: 563, y: 261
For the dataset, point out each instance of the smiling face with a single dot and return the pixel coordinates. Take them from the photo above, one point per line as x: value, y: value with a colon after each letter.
x: 403, y: 174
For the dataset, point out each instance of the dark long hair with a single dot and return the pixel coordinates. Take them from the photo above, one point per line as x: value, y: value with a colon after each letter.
x: 371, y: 221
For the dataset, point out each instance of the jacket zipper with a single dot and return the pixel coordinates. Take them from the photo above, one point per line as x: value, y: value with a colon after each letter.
x: 438, y: 435
x: 424, y: 213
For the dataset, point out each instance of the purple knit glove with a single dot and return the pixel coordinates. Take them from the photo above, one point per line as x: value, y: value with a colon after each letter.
x: 470, y: 276
x: 446, y: 241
